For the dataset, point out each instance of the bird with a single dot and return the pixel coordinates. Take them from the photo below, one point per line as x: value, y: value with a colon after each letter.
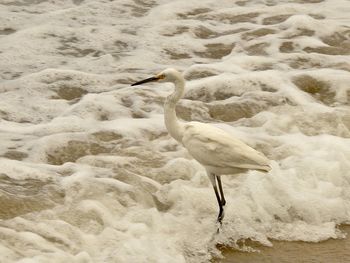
x: 216, y: 150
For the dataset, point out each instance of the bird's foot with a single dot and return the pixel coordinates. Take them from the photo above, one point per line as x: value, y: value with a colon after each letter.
x: 221, y: 216
x: 218, y: 229
x: 219, y: 221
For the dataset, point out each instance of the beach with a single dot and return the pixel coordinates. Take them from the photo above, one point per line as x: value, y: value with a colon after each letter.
x: 333, y: 250
x: 89, y: 172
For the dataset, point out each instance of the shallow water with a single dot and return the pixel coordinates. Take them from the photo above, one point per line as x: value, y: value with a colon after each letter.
x: 332, y: 250
x: 89, y: 172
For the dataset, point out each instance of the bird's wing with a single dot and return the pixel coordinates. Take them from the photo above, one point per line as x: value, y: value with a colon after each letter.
x: 214, y: 147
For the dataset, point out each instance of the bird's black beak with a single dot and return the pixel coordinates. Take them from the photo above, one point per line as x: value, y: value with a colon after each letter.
x: 145, y: 81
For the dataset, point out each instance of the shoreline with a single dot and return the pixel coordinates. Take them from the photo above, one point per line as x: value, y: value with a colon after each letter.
x: 331, y: 250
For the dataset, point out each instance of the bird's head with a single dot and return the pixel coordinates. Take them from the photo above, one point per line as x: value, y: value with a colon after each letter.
x: 167, y: 75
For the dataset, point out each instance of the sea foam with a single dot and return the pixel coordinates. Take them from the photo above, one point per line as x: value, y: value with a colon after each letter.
x: 89, y: 172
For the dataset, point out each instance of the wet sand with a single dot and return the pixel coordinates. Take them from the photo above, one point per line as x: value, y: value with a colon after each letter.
x: 332, y: 250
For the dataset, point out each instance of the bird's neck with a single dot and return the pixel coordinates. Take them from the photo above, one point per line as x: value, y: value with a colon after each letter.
x: 173, y: 125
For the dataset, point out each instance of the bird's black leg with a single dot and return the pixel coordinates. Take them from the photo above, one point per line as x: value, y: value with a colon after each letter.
x: 221, y: 211
x: 223, y: 201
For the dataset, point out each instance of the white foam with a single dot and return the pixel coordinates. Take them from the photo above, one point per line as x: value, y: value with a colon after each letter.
x: 122, y: 189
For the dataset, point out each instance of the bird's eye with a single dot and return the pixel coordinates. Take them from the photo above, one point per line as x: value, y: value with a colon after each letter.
x: 161, y: 76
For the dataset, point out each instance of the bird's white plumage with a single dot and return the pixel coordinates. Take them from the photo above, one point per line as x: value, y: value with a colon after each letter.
x: 216, y: 149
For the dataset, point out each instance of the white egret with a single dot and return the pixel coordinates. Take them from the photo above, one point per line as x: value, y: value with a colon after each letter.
x: 216, y: 150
